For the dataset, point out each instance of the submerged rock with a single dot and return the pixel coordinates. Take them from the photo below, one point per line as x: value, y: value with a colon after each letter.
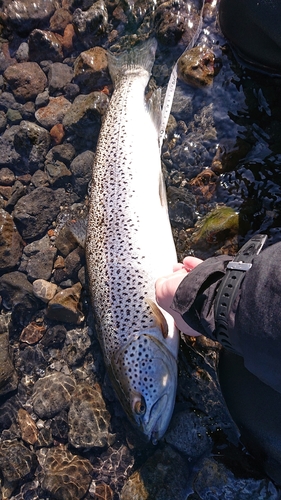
x: 88, y: 418
x: 91, y: 22
x: 51, y: 394
x: 44, y: 290
x: 54, y: 112
x: 28, y: 429
x: 16, y: 460
x: 38, y: 259
x: 17, y: 295
x: 45, y: 45
x: 197, y: 66
x: 32, y: 143
x: 8, y: 375
x: 24, y: 15
x: 65, y: 305
x: 10, y: 242
x: 91, y: 69
x: 26, y: 80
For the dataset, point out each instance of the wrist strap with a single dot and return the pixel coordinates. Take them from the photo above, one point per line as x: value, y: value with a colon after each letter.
x: 230, y: 284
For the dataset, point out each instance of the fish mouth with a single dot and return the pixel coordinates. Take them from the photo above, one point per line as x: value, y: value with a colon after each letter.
x: 157, y: 426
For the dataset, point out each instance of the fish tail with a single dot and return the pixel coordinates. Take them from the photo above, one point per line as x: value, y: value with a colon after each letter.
x: 141, y: 55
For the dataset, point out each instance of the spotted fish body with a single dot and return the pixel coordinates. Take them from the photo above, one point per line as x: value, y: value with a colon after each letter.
x: 129, y: 245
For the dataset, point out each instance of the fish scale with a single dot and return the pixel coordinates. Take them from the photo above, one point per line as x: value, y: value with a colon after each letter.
x: 129, y: 245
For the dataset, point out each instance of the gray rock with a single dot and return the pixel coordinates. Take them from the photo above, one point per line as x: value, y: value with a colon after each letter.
x: 88, y: 418
x: 3, y: 121
x: 57, y: 173
x: 7, y: 177
x: 26, y: 80
x: 16, y: 460
x: 18, y: 191
x: 76, y: 346
x: 188, y: 433
x: 51, y: 394
x: 59, y: 75
x: 38, y: 258
x: 39, y: 179
x: 8, y: 375
x: 81, y: 168
x: 72, y: 264
x: 7, y: 101
x: 10, y: 242
x: 24, y: 15
x: 22, y: 53
x: 42, y: 99
x: 9, y: 156
x: 70, y: 236
x: 44, y: 290
x: 13, y: 116
x: 31, y: 142
x: 36, y: 211
x: 63, y: 152
x: 91, y: 22
x: 17, y: 295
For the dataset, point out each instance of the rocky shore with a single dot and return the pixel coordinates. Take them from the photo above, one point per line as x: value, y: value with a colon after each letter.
x: 63, y: 433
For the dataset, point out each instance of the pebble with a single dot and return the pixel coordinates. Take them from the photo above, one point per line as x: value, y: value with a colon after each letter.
x: 65, y: 476
x: 72, y: 264
x: 53, y: 113
x: 58, y: 174
x: 24, y: 15
x: 54, y: 337
x: 42, y: 99
x: 36, y: 211
x: 91, y: 69
x: 44, y: 290
x: 88, y: 418
x: 26, y: 80
x: 32, y: 143
x: 52, y: 394
x: 8, y: 375
x: 17, y: 295
x: 57, y: 133
x: 3, y: 121
x: 60, y: 19
x: 65, y: 305
x: 59, y: 76
x: 16, y: 461
x: 67, y: 239
x: 81, y: 168
x: 197, y: 66
x: 10, y: 242
x: 45, y: 45
x: 32, y: 333
x: 28, y: 429
x: 7, y: 177
x: 76, y: 345
x: 64, y: 153
x: 91, y: 22
x: 38, y: 258
x: 175, y: 21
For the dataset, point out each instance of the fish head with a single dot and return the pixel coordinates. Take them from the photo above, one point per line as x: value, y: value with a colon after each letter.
x: 145, y: 379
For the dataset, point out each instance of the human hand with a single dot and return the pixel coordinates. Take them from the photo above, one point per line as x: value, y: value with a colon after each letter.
x: 166, y: 287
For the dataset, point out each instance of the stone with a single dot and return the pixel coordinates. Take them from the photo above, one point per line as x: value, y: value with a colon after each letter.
x: 35, y: 211
x: 16, y: 460
x: 8, y: 375
x: 188, y: 434
x: 24, y: 15
x: 91, y: 22
x: 88, y: 418
x: 59, y: 427
x: 68, y: 38
x: 197, y: 66
x: 3, y: 121
x: 44, y: 290
x: 60, y: 19
x: 18, y: 190
x: 91, y: 69
x: 32, y: 143
x: 59, y: 76
x: 10, y: 158
x: 64, y: 153
x: 52, y: 394
x: 10, y: 242
x: 8, y: 411
x: 65, y: 305
x: 53, y: 113
x: 26, y: 80
x: 42, y: 99
x: 28, y: 111
x: 57, y: 133
x: 175, y: 21
x: 28, y: 429
x: 17, y: 295
x: 7, y: 100
x: 7, y: 177
x: 54, y: 337
x: 45, y: 45
x: 81, y: 168
x: 38, y: 258
x: 181, y: 207
x: 39, y: 179
x: 13, y: 116
x: 31, y: 360
x: 65, y: 476
x: 32, y: 333
x: 77, y: 344
x: 22, y: 53
x: 58, y: 174
x: 71, y: 235
x: 72, y: 264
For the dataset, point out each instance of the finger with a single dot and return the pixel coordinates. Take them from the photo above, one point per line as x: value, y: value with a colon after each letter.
x: 178, y: 266
x: 191, y: 262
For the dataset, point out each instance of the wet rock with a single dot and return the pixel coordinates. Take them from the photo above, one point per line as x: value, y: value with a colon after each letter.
x: 51, y: 394
x: 18, y: 190
x: 57, y: 133
x: 8, y: 376
x: 216, y: 480
x: 81, y: 168
x: 204, y: 185
x: 65, y: 305
x: 76, y: 346
x: 64, y: 475
x: 59, y: 426
x: 32, y: 333
x: 16, y: 461
x: 91, y: 69
x: 31, y: 360
x: 60, y: 19
x: 8, y: 412
x: 36, y: 211
x: 13, y: 116
x: 90, y: 23
x: 163, y: 476
x: 31, y: 143
x: 84, y: 116
x: 88, y: 418
x: 57, y: 173
x: 42, y: 99
x: 64, y: 153
x: 17, y: 295
x: 22, y: 54
x: 197, y: 66
x: 59, y: 76
x: 7, y: 100
x: 101, y: 491
x: 10, y: 242
x: 54, y: 337
x: 54, y: 112
x: 38, y: 258
x: 45, y: 45
x: 24, y: 15
x: 10, y: 158
x: 188, y: 434
x: 39, y: 179
x: 71, y: 91
x: 68, y: 39
x: 26, y: 80
x: 3, y: 121
x: 7, y: 177
x: 44, y: 290
x: 71, y: 235
x: 181, y: 205
x: 175, y: 21
x: 28, y: 429
x: 72, y: 264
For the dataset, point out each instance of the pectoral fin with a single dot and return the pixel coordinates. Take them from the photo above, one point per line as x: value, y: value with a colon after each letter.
x: 159, y: 317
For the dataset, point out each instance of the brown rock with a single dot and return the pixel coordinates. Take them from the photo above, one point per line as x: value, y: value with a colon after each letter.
x: 45, y: 45
x: 26, y: 80
x: 197, y: 66
x: 60, y: 19
x: 53, y: 113
x: 65, y: 305
x: 57, y: 133
x: 68, y: 35
x: 10, y: 241
x: 44, y: 290
x: 29, y: 431
x: 91, y: 69
x: 32, y: 333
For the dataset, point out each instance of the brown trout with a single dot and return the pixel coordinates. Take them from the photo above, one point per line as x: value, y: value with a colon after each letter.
x: 130, y: 244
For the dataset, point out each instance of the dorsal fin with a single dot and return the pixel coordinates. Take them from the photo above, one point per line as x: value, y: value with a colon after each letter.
x: 159, y: 317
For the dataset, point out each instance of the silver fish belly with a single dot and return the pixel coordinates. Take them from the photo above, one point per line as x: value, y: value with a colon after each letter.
x: 129, y: 245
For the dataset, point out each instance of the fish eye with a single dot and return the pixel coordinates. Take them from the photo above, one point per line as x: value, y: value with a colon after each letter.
x: 140, y: 407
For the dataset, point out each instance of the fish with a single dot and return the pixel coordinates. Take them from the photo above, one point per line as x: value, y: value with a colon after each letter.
x: 129, y: 244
